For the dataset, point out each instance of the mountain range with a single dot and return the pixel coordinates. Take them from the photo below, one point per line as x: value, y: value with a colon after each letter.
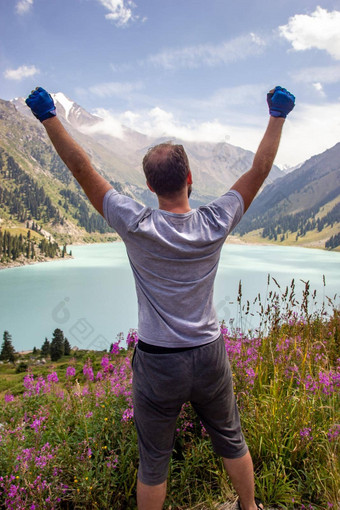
x: 36, y: 186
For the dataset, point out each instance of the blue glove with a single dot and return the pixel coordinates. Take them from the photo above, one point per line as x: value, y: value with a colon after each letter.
x: 280, y: 102
x: 41, y: 104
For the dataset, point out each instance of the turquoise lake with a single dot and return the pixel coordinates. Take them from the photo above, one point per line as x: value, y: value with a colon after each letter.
x: 92, y: 297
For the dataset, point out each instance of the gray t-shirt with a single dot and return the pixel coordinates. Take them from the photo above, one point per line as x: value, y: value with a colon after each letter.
x: 174, y: 259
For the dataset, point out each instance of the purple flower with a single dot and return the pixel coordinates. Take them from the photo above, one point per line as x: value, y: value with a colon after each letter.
x: 112, y: 463
x: 70, y: 371
x: 105, y: 363
x: 115, y: 348
x: 53, y: 377
x: 305, y: 433
x: 87, y: 371
x: 127, y: 414
x: 333, y: 432
x: 37, y: 423
x: 28, y: 381
x: 9, y: 397
x: 250, y: 376
x: 132, y: 338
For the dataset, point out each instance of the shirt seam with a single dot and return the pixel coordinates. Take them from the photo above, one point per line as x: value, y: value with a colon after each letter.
x: 105, y: 202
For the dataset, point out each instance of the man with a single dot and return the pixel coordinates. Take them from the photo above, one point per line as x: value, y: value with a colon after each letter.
x: 174, y: 253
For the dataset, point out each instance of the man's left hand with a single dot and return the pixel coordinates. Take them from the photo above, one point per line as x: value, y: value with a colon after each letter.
x: 41, y: 104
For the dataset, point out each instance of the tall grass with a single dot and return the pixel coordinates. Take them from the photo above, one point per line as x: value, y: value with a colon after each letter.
x: 68, y: 440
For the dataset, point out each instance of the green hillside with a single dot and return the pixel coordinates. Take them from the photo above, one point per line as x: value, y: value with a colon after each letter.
x: 300, y: 209
x: 36, y: 187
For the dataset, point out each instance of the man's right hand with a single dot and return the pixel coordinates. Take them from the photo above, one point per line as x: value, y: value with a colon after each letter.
x: 280, y: 102
x: 41, y: 104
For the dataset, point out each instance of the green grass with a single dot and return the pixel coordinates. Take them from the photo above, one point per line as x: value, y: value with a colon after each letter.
x: 312, y: 239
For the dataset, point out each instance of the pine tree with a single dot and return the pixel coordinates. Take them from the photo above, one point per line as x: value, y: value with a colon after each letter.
x: 67, y: 347
x: 7, y: 349
x: 46, y: 348
x: 57, y: 345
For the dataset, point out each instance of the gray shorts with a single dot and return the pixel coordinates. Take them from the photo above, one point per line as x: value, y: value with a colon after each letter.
x: 162, y: 383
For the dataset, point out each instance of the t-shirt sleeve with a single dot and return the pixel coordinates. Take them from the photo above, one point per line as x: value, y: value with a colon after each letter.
x: 121, y: 212
x: 228, y: 210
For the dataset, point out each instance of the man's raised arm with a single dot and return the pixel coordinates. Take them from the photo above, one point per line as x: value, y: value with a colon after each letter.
x: 280, y: 103
x: 74, y: 157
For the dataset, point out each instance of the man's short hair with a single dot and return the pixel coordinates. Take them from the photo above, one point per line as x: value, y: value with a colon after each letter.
x: 166, y: 168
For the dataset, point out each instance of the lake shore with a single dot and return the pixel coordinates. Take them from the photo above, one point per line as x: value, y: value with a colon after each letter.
x: 247, y: 240
x: 256, y: 240
x: 25, y: 262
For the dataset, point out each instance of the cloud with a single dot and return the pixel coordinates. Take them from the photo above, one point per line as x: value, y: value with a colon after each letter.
x: 23, y: 6
x: 157, y: 122
x: 323, y: 74
x: 319, y: 88
x: 229, y: 97
x: 310, y: 130
x: 120, y: 89
x: 108, y: 124
x: 21, y: 73
x: 121, y: 67
x: 209, y: 54
x: 120, y: 11
x: 319, y: 30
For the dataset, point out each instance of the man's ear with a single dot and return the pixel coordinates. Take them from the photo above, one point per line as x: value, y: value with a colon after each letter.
x: 189, y: 178
x: 150, y: 187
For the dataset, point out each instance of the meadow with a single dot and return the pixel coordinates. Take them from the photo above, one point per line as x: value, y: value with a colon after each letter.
x: 67, y: 439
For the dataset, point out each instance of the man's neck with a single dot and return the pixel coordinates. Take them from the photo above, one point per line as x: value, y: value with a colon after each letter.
x: 179, y: 204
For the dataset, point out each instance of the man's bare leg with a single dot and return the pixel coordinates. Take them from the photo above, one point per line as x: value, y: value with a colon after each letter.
x: 150, y: 497
x: 241, y: 473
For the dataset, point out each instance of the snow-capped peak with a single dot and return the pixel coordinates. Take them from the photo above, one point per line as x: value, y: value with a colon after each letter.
x: 64, y: 101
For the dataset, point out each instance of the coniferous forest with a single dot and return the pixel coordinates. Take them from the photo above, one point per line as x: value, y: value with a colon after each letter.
x: 12, y: 246
x: 23, y: 196
x: 276, y: 228
x: 26, y: 200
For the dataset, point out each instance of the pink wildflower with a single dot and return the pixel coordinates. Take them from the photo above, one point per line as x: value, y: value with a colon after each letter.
x: 127, y: 414
x: 115, y: 348
x: 333, y: 432
x: 87, y: 371
x: 53, y: 377
x: 132, y: 338
x: 70, y: 371
x: 305, y: 433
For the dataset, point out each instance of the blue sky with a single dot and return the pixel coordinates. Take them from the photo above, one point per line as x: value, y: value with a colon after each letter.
x: 195, y: 69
